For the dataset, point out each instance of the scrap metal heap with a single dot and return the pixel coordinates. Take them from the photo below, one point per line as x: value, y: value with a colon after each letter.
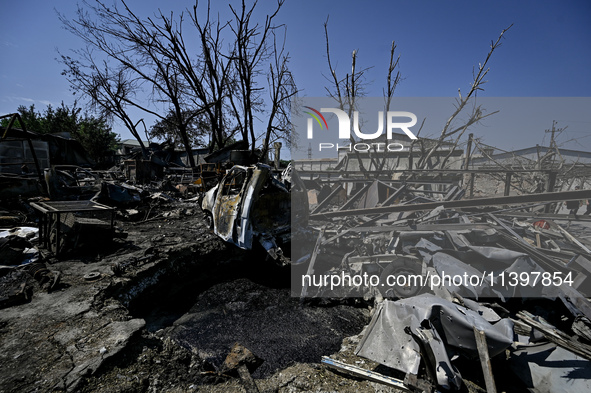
x: 455, y: 280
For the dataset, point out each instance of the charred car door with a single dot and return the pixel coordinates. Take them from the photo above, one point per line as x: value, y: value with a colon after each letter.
x: 228, y: 203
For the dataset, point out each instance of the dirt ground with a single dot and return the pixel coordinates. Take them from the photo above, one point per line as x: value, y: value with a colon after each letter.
x: 159, y: 310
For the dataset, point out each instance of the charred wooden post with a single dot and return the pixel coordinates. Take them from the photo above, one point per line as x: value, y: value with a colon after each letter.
x: 482, y: 347
x: 277, y: 146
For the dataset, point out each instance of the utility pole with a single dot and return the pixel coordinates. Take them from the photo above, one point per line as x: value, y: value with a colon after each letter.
x: 552, y: 135
x: 553, y: 149
x: 551, y: 182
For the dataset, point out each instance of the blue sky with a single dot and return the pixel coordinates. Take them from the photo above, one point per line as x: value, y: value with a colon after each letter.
x: 547, y: 52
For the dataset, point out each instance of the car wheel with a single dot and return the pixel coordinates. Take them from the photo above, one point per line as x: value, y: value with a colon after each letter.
x: 400, y: 279
x: 209, y: 220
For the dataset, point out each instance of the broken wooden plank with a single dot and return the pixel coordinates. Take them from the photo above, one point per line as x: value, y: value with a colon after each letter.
x: 363, y: 373
x: 507, y: 228
x: 555, y: 335
x: 573, y: 239
x: 240, y: 359
x: 538, y: 255
x: 249, y: 384
x: 482, y: 347
x: 507, y: 183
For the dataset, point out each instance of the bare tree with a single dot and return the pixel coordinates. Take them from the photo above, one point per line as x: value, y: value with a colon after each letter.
x: 139, y: 50
x: 282, y: 88
x: 451, y: 130
x: 346, y: 90
x: 251, y: 49
x: 392, y: 81
x: 212, y: 82
x: 151, y: 57
x: 167, y: 130
x: 109, y: 90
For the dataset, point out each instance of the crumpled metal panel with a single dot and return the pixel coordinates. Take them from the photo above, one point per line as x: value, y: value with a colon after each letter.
x: 388, y: 341
x: 501, y: 255
x: 225, y: 216
x: 385, y: 341
x: 448, y: 377
x: 451, y: 266
x: 545, y: 368
x: 480, y: 262
x: 228, y: 202
x: 265, y: 208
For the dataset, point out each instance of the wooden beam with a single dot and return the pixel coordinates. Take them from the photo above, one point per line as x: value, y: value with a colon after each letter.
x: 482, y: 347
x: 573, y: 239
x: 555, y: 335
x: 508, y: 183
x: 365, y: 374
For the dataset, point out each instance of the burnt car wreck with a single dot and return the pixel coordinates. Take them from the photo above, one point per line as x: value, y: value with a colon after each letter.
x: 250, y: 205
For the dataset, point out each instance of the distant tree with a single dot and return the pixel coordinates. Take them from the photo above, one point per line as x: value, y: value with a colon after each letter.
x: 466, y: 112
x: 110, y: 92
x: 282, y: 88
x: 94, y: 134
x: 30, y: 117
x: 97, y: 138
x: 347, y: 89
x: 61, y: 119
x: 167, y: 129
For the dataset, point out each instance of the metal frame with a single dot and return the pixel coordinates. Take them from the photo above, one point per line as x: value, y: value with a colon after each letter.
x: 51, y: 212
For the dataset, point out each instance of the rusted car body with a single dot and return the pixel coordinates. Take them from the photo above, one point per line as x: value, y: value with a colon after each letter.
x: 250, y: 204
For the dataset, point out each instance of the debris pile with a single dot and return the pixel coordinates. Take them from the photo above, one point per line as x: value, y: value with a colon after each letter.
x: 454, y: 281
x: 165, y: 277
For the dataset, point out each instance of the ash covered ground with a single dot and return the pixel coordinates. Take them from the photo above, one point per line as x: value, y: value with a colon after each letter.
x: 161, y: 309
